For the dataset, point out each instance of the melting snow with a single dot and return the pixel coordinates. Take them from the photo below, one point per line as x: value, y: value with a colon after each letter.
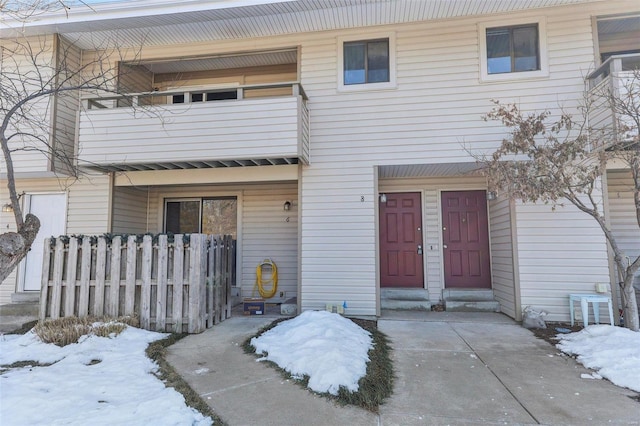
x: 328, y: 348
x: 97, y: 381
x: 614, y: 352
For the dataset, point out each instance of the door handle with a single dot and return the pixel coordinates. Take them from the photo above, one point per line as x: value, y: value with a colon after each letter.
x: 419, y: 248
x: 444, y: 246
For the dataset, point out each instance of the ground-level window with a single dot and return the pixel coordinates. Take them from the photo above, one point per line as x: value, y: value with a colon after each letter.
x: 366, y: 61
x: 212, y: 215
x: 513, y: 49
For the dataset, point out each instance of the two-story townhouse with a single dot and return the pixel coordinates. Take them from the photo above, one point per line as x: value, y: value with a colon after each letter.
x: 336, y: 138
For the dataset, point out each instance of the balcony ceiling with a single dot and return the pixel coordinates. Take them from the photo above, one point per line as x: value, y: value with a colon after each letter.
x: 247, y: 60
x: 166, y: 22
x: 429, y: 170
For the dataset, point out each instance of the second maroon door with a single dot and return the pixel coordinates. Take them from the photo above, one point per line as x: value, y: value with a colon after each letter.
x: 401, y: 256
x: 465, y: 238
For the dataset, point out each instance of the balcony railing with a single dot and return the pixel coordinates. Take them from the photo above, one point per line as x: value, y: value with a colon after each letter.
x: 202, y: 127
x: 613, y: 87
x: 614, y: 66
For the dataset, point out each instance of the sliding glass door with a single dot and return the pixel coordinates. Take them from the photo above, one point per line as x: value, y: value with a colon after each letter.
x: 211, y: 215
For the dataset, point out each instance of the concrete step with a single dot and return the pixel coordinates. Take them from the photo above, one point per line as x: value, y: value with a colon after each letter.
x: 11, y: 323
x: 25, y: 297
x: 289, y: 307
x: 405, y: 305
x: 404, y: 294
x: 465, y: 294
x: 20, y: 309
x: 471, y: 306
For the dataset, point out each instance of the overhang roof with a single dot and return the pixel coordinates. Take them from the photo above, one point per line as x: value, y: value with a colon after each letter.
x: 165, y: 22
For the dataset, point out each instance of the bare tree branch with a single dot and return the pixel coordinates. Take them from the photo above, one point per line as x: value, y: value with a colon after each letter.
x: 551, y: 161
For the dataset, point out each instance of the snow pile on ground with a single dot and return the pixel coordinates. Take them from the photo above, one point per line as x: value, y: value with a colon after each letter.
x: 614, y: 352
x: 328, y: 348
x: 97, y: 381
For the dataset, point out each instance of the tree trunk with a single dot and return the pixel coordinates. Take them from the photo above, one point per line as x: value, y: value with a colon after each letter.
x: 14, y: 246
x: 630, y: 304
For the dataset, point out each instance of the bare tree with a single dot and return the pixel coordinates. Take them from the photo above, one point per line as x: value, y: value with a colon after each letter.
x: 35, y: 73
x: 565, y: 160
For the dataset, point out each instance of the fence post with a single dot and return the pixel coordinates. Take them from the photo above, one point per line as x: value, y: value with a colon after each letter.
x: 130, y: 289
x: 114, y: 284
x: 161, y: 289
x: 101, y: 266
x: 196, y: 283
x: 56, y: 294
x: 211, y: 280
x: 231, y: 255
x: 85, y: 276
x: 145, y: 291
x: 218, y: 276
x: 72, y: 264
x: 44, y: 284
x: 178, y: 282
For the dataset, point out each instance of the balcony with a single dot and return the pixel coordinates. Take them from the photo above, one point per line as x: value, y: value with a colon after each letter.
x: 201, y: 127
x: 614, y: 89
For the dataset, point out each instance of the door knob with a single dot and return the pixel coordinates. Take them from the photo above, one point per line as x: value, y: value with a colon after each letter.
x: 419, y: 249
x: 444, y: 246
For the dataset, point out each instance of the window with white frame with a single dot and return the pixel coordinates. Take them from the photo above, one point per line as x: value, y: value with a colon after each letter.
x: 366, y: 63
x: 513, y: 51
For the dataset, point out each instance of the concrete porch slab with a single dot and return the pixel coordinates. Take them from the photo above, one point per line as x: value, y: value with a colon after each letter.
x: 450, y: 384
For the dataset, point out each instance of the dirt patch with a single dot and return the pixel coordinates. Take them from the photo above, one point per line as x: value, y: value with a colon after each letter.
x: 553, y: 329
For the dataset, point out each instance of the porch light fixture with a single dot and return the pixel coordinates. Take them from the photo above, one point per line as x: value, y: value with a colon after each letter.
x: 383, y: 198
x: 7, y: 208
x: 491, y: 195
x: 287, y: 206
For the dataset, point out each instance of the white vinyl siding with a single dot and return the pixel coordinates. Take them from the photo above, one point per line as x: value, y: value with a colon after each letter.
x: 225, y: 130
x: 65, y: 109
x: 338, y: 247
x: 559, y: 252
x: 87, y: 212
x: 502, y: 261
x: 622, y: 217
x: 270, y: 232
x: 36, y: 66
x: 129, y: 210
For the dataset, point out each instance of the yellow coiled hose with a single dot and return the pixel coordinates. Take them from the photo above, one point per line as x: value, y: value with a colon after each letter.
x: 261, y: 282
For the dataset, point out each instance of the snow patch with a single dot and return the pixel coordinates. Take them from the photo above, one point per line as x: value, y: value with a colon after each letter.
x: 330, y: 349
x: 614, y: 352
x: 75, y: 390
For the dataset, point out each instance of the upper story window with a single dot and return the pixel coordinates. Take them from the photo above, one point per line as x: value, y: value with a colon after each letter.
x: 514, y: 51
x: 366, y: 62
x: 206, y: 96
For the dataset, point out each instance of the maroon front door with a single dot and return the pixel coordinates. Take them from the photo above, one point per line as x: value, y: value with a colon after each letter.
x: 401, y: 241
x: 465, y: 238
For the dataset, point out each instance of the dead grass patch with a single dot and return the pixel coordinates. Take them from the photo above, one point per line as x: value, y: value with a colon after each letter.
x: 65, y: 331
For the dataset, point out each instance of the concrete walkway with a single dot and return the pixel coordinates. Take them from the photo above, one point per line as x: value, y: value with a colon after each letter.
x: 452, y: 369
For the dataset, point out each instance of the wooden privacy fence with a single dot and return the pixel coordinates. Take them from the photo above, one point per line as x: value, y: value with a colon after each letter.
x: 182, y: 285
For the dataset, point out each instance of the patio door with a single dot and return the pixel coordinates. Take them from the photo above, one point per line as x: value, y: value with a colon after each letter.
x: 51, y: 210
x: 465, y: 238
x: 401, y: 263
